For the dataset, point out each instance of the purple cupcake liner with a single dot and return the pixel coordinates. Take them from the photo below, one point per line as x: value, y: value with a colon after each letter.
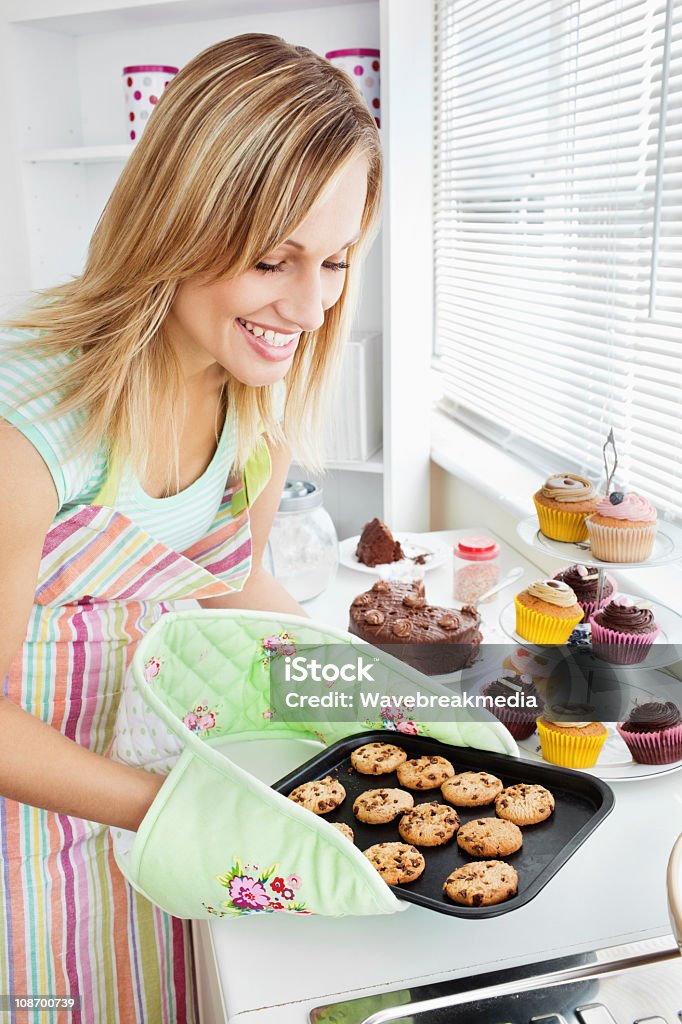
x: 662, y: 747
x: 621, y: 648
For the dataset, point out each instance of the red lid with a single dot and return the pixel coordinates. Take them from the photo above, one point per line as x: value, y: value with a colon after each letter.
x: 477, y: 548
x: 167, y: 69
x: 354, y: 52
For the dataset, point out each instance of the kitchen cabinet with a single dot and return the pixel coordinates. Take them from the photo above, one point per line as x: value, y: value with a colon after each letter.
x: 63, y: 117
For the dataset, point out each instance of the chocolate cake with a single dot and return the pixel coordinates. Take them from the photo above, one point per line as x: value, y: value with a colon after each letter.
x: 377, y: 545
x: 396, y: 618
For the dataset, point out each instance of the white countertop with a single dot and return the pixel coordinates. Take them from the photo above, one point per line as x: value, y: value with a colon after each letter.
x: 273, y: 968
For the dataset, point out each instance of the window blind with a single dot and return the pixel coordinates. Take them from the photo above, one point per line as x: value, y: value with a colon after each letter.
x: 558, y: 231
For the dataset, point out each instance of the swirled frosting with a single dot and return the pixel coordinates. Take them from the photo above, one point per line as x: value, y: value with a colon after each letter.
x: 633, y: 507
x: 624, y: 616
x: 555, y: 713
x: 653, y: 717
x: 553, y: 592
x: 568, y: 487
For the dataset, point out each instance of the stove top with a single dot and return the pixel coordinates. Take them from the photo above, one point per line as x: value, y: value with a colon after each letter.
x: 640, y: 983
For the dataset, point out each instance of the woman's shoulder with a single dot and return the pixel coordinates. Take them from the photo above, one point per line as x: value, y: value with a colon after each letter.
x: 29, y: 395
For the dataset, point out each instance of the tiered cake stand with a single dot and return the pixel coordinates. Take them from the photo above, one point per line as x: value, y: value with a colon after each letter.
x: 615, y: 761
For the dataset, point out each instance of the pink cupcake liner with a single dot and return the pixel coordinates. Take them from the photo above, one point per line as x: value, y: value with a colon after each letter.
x: 620, y: 544
x: 662, y: 747
x: 621, y: 648
x: 521, y: 726
x: 520, y: 723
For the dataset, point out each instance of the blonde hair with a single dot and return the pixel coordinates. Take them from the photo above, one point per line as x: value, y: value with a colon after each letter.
x: 243, y: 142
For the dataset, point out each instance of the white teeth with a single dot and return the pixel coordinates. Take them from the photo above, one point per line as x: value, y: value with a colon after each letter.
x: 272, y: 338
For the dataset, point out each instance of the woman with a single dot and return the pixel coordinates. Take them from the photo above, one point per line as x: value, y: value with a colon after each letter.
x: 143, y: 451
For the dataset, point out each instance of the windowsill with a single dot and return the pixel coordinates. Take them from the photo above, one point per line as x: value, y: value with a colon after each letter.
x: 510, y: 483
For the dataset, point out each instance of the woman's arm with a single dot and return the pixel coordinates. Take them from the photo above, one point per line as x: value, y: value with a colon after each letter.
x: 38, y: 764
x: 261, y: 591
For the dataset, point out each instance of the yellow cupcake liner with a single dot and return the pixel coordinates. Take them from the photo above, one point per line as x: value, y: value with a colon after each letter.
x: 538, y: 628
x: 618, y: 544
x: 570, y: 751
x: 559, y: 525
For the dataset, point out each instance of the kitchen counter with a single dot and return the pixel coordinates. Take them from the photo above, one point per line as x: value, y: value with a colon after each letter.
x: 274, y: 968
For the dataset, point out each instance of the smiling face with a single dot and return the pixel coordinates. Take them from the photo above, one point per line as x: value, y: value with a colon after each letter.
x: 250, y: 325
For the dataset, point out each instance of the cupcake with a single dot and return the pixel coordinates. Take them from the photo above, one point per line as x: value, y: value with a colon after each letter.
x: 515, y: 701
x: 541, y: 670
x: 623, y: 528
x: 572, y: 744
x: 547, y: 612
x: 562, y: 503
x: 653, y: 733
x: 623, y: 632
x: 584, y: 583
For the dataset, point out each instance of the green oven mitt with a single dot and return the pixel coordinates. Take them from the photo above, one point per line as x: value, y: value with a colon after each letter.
x: 216, y: 841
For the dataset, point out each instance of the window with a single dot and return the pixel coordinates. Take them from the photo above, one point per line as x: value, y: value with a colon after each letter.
x: 558, y: 232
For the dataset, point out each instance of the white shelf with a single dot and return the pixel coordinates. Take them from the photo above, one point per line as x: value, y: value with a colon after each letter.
x: 374, y: 464
x: 80, y: 17
x: 80, y: 155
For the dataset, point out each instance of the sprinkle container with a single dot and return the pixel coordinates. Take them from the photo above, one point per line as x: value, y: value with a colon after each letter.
x: 476, y: 567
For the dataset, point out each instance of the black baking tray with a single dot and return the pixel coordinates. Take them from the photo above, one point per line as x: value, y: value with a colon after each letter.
x: 581, y: 804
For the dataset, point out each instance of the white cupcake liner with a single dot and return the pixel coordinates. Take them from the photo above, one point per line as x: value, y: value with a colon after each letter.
x: 621, y: 544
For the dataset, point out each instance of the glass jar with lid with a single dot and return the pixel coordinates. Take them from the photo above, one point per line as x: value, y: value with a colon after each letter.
x: 303, y: 546
x: 476, y: 567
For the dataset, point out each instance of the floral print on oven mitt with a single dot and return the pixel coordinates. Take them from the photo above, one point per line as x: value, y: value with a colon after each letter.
x: 217, y: 841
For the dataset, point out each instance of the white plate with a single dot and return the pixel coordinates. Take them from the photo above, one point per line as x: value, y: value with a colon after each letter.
x: 665, y: 650
x: 614, y: 762
x: 667, y: 546
x: 435, y: 553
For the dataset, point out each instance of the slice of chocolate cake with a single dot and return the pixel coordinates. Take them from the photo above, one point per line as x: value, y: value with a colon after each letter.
x: 377, y: 545
x: 396, y: 618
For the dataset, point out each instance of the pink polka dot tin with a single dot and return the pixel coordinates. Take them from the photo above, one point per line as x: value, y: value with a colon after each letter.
x: 143, y: 86
x: 363, y: 66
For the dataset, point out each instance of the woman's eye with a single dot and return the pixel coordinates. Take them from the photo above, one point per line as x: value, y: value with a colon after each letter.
x: 269, y: 267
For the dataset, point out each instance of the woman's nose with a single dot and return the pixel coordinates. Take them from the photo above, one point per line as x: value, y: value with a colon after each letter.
x: 303, y: 302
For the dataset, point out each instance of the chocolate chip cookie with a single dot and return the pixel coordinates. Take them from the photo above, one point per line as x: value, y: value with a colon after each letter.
x: 377, y: 806
x: 344, y: 829
x: 482, y: 884
x: 471, y: 789
x: 524, y: 804
x: 430, y: 824
x: 397, y: 863
x: 320, y: 796
x: 428, y: 772
x: 490, y: 837
x: 377, y: 758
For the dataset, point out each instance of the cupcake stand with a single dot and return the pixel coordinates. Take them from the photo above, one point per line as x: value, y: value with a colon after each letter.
x: 644, y: 681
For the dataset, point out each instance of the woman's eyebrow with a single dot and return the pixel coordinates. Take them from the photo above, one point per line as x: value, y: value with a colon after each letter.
x: 297, y: 245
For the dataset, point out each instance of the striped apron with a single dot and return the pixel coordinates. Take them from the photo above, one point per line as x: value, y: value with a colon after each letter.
x: 71, y: 925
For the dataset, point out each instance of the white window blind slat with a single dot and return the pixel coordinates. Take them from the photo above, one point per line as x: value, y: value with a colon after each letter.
x: 548, y: 131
